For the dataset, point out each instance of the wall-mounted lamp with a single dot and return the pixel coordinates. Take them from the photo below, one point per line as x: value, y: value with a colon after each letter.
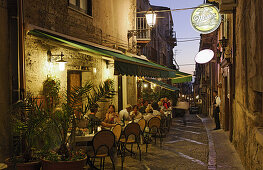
x: 94, y: 70
x: 226, y: 51
x: 60, y: 61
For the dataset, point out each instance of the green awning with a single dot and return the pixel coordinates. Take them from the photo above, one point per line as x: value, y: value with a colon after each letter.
x: 161, y: 84
x: 181, y: 77
x: 124, y: 65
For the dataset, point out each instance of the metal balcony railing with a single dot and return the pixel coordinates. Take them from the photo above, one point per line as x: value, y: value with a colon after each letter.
x: 143, y: 30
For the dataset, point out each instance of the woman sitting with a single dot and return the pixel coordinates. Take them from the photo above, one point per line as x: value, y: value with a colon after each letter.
x: 112, y: 118
x: 135, y: 114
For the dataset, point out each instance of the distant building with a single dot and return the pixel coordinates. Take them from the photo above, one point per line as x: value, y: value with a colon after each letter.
x: 162, y: 37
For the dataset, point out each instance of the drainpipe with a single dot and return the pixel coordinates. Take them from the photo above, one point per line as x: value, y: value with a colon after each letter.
x: 232, y: 80
x: 21, y: 49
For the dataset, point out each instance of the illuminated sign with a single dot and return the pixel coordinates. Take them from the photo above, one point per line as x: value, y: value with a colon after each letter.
x: 205, y: 19
x: 204, y: 56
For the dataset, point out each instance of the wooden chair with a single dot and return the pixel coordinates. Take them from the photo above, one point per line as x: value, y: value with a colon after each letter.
x: 131, y: 134
x: 117, y: 132
x: 142, y: 122
x: 102, y: 144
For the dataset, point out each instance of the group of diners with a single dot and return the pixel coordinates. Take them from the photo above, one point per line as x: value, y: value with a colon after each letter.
x: 143, y: 109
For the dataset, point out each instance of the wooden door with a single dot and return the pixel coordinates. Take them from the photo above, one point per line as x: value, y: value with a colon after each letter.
x: 74, y: 80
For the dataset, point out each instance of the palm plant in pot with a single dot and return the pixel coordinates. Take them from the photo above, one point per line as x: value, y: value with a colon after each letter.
x: 28, y: 119
x: 63, y: 121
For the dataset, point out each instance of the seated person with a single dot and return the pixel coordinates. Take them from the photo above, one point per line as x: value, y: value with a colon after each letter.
x: 155, y: 107
x: 95, y: 120
x: 92, y: 116
x: 149, y: 113
x: 166, y: 103
x: 125, y: 113
x: 143, y: 107
x: 112, y: 118
x: 135, y: 114
x: 161, y: 107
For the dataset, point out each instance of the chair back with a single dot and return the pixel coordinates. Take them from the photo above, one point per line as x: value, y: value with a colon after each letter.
x: 132, y: 129
x: 117, y: 132
x: 159, y: 116
x: 103, y: 142
x: 154, y: 124
x: 142, y: 122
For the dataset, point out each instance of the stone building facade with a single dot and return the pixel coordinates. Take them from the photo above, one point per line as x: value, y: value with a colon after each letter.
x: 240, y: 85
x: 101, y: 25
x: 159, y: 48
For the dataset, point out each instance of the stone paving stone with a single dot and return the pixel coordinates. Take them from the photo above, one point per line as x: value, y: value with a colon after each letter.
x: 180, y: 150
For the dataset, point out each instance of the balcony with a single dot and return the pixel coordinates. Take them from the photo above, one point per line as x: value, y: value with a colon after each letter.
x: 143, y: 31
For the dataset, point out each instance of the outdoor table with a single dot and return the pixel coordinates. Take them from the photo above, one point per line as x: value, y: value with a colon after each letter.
x: 3, y: 166
x: 85, y: 138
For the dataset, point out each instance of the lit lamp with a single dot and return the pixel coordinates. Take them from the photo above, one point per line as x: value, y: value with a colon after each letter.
x: 145, y: 85
x: 150, y: 18
x: 204, y: 56
x: 61, y: 62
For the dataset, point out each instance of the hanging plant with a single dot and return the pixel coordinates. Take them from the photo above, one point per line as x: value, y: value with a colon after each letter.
x: 51, y: 89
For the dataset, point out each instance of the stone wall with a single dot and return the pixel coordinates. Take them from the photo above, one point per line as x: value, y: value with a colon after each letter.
x: 38, y: 67
x: 5, y: 82
x: 108, y: 25
x: 247, y: 106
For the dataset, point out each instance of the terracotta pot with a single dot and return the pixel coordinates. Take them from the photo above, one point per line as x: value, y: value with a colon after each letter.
x: 64, y: 165
x: 23, y: 166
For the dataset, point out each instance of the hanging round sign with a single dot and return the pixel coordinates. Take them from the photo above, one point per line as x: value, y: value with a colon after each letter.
x: 206, y: 18
x: 204, y: 56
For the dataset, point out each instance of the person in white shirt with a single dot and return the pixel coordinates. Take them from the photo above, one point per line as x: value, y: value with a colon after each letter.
x: 135, y: 114
x: 217, y: 103
x: 124, y: 114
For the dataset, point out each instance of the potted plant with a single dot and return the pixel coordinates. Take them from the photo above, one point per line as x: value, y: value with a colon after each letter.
x: 63, y: 121
x: 27, y: 121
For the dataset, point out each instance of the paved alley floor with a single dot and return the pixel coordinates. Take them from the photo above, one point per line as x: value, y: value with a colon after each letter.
x: 185, y: 148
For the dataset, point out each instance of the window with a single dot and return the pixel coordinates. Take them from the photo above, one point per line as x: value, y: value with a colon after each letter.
x: 84, y: 6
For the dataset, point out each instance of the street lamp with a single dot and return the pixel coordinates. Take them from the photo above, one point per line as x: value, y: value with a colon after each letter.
x: 150, y: 18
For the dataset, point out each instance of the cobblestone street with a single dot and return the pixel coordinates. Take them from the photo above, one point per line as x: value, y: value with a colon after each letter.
x: 186, y: 148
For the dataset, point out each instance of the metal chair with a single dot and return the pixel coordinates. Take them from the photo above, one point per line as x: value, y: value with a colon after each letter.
x: 131, y: 130
x: 154, y: 125
x: 102, y: 144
